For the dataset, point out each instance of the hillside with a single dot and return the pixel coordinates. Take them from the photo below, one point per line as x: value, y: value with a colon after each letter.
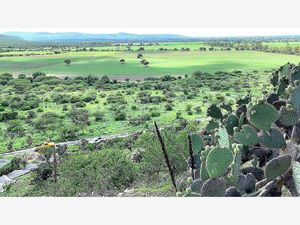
x: 83, y: 37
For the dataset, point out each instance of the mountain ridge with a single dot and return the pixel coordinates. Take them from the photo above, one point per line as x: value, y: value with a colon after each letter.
x: 79, y: 37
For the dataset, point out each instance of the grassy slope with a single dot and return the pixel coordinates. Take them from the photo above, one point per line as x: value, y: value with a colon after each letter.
x: 161, y: 63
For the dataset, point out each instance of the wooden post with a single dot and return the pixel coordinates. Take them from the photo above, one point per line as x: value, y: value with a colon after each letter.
x: 163, y: 147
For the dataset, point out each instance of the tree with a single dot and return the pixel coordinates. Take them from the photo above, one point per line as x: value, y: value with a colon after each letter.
x: 140, y: 56
x: 122, y: 61
x: 68, y: 62
x: 14, y: 129
x: 80, y: 117
x: 146, y: 63
x: 38, y: 74
x: 47, y: 121
x: 143, y: 61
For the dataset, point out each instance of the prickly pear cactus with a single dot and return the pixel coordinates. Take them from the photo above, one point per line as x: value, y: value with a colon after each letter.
x: 227, y: 107
x: 274, y: 79
x: 214, y: 112
x: 277, y: 167
x: 203, y: 171
x: 288, y: 117
x: 197, y: 143
x: 196, y: 186
x: 295, y: 98
x: 246, y: 136
x: 212, y: 124
x: 273, y: 97
x: 295, y: 74
x: 232, y: 192
x: 214, y: 187
x: 223, y: 137
x: 241, y: 121
x: 231, y: 122
x: 295, y: 137
x: 218, y: 161
x: 285, y: 70
x: 246, y: 183
x: 281, y: 88
x: 262, y: 116
x: 237, y: 161
x: 197, y: 161
x: 272, y: 139
x: 296, y: 175
x: 268, y: 136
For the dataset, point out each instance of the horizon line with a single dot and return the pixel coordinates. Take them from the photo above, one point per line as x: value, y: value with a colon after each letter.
x: 189, y: 32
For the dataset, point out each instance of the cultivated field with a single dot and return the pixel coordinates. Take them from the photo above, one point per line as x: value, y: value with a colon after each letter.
x: 161, y: 63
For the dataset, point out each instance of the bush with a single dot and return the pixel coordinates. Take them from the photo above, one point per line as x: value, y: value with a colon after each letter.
x: 104, y: 173
x: 120, y: 116
x: 177, y: 148
x: 99, y: 116
x: 14, y: 164
x: 168, y: 107
x: 43, y: 172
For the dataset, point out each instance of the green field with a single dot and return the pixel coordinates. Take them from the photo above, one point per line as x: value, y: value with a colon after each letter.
x: 280, y: 44
x: 161, y: 63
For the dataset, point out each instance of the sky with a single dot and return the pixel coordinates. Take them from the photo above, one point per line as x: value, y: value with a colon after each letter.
x: 193, y: 32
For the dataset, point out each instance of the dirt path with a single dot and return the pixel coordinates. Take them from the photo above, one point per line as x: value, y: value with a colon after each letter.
x: 92, y: 140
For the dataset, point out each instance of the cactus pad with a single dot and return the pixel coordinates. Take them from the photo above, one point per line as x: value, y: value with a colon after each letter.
x: 214, y: 112
x: 295, y: 75
x: 212, y: 125
x: 196, y: 186
x: 282, y: 85
x: 272, y: 139
x: 232, y: 192
x: 235, y: 166
x: 231, y: 122
x: 214, y: 188
x: 274, y: 79
x: 278, y: 104
x: 226, y: 106
x: 218, y: 161
x: 285, y: 70
x: 295, y: 98
x: 246, y: 183
x: 277, y: 167
x: 197, y: 162
x: 273, y: 97
x: 223, y: 137
x: 241, y: 120
x: 296, y: 175
x: 295, y: 137
x: 246, y: 136
x: 262, y: 116
x: 288, y: 117
x: 197, y: 143
x: 243, y: 100
x: 257, y: 172
x: 241, y: 109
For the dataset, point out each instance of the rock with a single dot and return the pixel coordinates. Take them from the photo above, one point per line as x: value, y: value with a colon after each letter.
x: 16, y: 173
x: 3, y: 162
x: 4, y: 180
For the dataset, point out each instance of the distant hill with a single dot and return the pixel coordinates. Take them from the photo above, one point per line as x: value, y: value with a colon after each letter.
x: 12, y: 41
x: 83, y: 37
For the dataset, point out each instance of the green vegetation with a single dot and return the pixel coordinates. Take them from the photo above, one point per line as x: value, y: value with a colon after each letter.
x: 223, y: 130
x: 37, y: 108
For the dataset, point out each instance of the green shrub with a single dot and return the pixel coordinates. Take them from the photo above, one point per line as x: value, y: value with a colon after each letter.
x: 15, y: 164
x: 104, y: 172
